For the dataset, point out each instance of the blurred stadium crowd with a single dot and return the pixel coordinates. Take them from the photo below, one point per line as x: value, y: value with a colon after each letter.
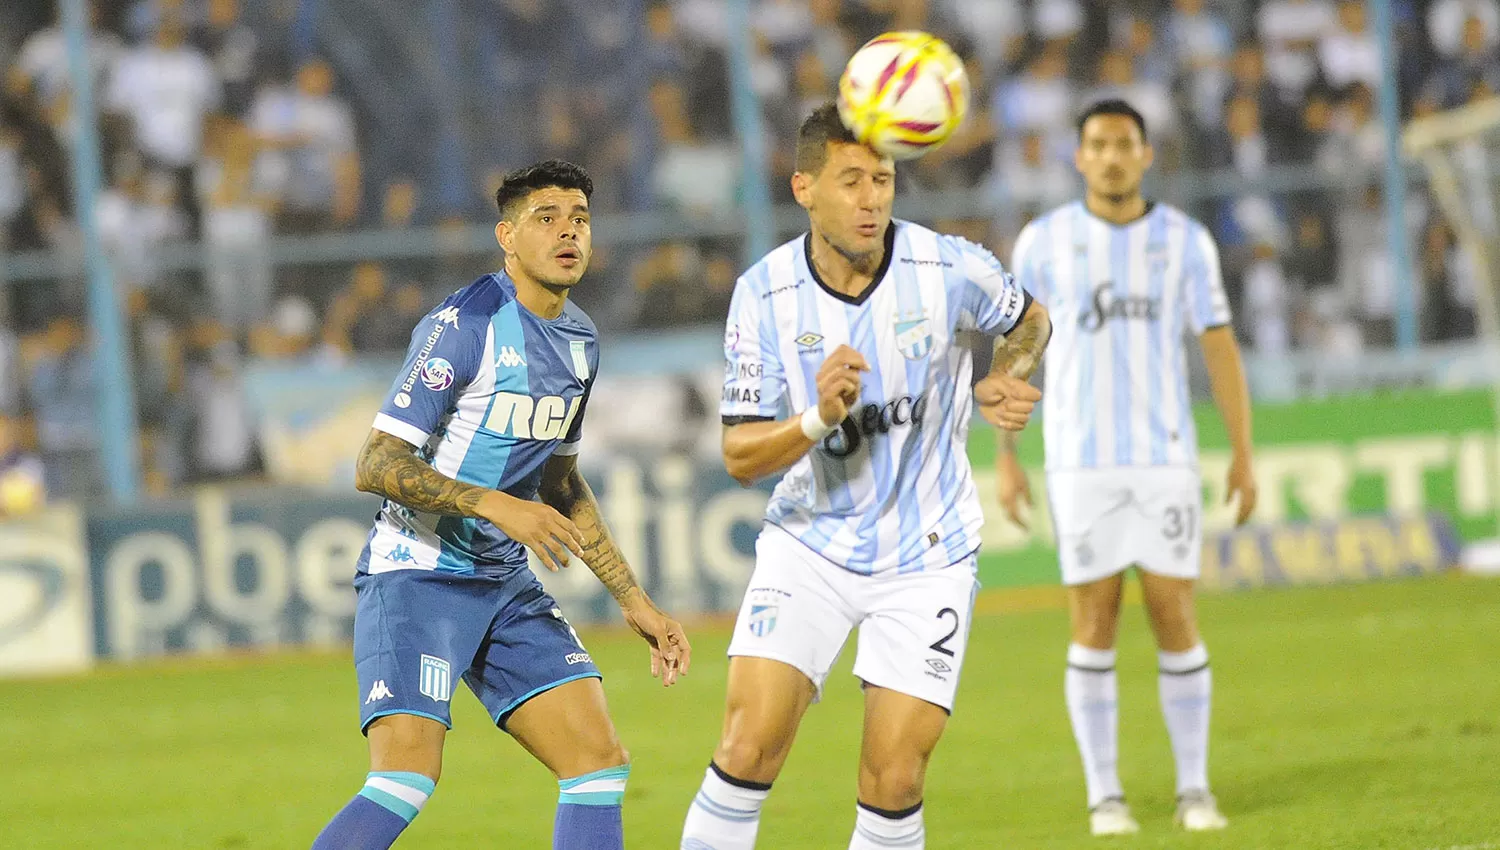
x: 227, y: 123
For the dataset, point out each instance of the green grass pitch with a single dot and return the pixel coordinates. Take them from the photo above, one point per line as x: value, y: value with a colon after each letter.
x: 1345, y: 717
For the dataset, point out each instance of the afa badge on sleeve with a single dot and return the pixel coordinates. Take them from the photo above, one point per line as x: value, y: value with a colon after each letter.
x: 914, y: 337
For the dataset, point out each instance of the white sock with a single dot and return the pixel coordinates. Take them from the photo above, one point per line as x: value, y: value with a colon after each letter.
x: 1186, y: 687
x: 1094, y: 706
x: 878, y: 829
x: 726, y: 813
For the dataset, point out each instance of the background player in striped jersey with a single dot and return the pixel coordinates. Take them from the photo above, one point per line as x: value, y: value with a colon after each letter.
x: 485, y: 417
x: 1123, y: 278
x: 843, y: 371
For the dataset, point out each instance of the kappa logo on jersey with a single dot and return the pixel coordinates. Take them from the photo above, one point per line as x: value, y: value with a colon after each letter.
x: 1107, y: 305
x: 378, y: 692
x: 509, y: 358
x: 437, y: 374
x: 525, y: 418
x: 448, y: 316
x: 762, y: 619
x: 873, y: 419
x: 401, y: 555
x: 436, y: 679
x: 914, y: 337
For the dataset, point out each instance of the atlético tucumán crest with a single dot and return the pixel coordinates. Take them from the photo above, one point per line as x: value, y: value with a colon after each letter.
x: 914, y: 337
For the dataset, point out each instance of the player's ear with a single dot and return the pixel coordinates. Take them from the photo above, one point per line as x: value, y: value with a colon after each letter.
x: 802, y: 188
x: 1148, y: 156
x: 505, y: 235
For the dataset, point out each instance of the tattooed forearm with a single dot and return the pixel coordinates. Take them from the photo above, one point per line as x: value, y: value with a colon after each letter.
x: 571, y: 495
x: 1019, y: 352
x: 387, y: 467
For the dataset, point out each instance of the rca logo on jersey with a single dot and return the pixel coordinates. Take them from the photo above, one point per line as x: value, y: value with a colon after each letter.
x: 914, y: 337
x: 1107, y: 305
x: 525, y: 418
x: 873, y: 419
x: 437, y: 374
x: 437, y: 679
x: 509, y: 358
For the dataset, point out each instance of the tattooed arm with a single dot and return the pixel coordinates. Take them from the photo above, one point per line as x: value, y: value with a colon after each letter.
x: 1005, y: 397
x: 1019, y: 352
x: 564, y: 488
x: 388, y: 467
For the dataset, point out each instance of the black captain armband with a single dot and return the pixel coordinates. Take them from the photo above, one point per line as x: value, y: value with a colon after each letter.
x: 731, y: 421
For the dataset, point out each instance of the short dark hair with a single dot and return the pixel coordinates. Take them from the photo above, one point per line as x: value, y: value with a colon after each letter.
x: 818, y: 130
x: 1113, y: 106
x: 542, y: 175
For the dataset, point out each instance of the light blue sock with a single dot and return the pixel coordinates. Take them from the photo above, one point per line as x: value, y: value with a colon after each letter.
x: 378, y: 813
x: 588, y: 811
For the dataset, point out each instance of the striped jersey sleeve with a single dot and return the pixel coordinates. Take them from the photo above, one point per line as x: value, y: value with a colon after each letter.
x: 989, y: 298
x: 1025, y: 263
x: 444, y: 356
x: 754, y: 380
x: 1203, y: 283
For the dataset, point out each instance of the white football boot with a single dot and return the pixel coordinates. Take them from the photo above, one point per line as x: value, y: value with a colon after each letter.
x: 1112, y: 817
x: 1198, y: 811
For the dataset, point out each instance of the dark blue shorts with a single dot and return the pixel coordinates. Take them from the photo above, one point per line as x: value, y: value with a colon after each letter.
x: 413, y: 629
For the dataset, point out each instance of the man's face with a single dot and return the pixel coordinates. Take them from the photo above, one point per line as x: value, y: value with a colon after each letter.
x: 548, y: 236
x: 1112, y: 156
x: 849, y: 201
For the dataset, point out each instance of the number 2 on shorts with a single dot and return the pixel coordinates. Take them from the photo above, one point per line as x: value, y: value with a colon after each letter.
x: 941, y: 644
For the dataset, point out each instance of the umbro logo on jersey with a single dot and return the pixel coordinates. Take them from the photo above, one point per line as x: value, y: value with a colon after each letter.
x: 808, y: 340
x: 509, y: 358
x: 448, y: 315
x: 378, y: 692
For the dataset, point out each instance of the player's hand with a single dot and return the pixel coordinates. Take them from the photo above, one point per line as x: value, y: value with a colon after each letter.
x: 534, y: 525
x: 1006, y: 402
x: 839, y: 383
x: 1014, y: 488
x: 1241, y: 482
x: 670, y: 652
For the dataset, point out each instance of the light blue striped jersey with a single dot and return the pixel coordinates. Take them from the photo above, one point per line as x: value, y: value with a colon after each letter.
x: 891, y: 490
x: 1115, y: 391
x: 489, y: 392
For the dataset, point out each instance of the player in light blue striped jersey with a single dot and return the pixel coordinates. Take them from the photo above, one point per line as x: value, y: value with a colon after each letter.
x: 1125, y: 279
x: 475, y: 451
x: 844, y: 371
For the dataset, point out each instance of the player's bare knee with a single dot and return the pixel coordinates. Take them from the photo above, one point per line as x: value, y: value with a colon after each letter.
x: 752, y: 757
x: 892, y: 783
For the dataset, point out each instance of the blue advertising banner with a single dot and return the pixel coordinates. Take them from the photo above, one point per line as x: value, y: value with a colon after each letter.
x: 269, y: 569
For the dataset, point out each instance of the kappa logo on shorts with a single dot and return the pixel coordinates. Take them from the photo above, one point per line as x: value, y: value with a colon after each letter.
x: 762, y: 619
x: 437, y: 679
x: 577, y: 658
x: 378, y: 692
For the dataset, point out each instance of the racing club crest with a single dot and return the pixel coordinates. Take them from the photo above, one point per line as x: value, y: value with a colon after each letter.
x: 914, y: 337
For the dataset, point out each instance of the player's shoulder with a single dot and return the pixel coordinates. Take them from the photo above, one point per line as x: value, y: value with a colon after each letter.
x: 777, y: 265
x: 953, y: 252
x: 478, y: 302
x: 1173, y: 217
x: 574, y: 314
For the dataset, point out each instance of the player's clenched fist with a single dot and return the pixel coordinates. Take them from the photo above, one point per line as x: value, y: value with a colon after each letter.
x: 1005, y: 401
x: 536, y: 526
x: 839, y: 383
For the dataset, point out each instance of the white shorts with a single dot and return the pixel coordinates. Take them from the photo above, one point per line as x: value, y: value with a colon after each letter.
x: 1107, y: 520
x: 913, y: 627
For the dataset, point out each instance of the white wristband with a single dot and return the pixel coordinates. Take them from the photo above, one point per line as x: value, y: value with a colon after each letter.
x: 813, y: 426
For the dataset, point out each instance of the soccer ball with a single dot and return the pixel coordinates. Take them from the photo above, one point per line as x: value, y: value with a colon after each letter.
x: 903, y: 93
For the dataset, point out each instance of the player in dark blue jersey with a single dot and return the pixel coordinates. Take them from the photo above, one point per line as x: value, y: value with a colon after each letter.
x: 475, y: 452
